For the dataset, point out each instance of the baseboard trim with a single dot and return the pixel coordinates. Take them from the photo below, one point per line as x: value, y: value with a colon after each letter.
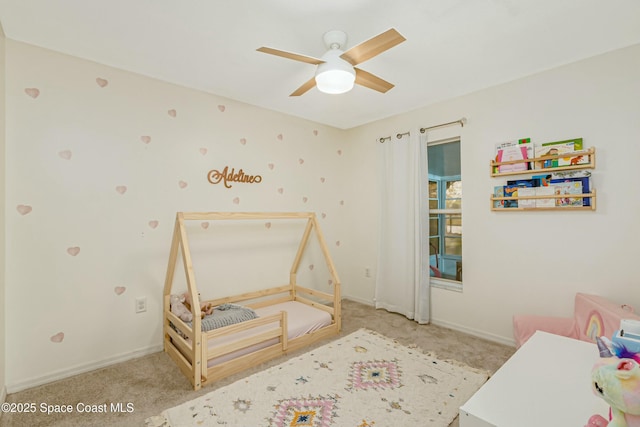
x: 360, y: 300
x: 475, y: 332
x: 80, y: 369
x: 456, y: 327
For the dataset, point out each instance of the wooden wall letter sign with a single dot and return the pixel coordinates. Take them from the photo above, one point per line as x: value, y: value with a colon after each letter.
x: 227, y: 176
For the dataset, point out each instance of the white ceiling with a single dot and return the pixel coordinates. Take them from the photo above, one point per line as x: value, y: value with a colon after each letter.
x: 453, y: 47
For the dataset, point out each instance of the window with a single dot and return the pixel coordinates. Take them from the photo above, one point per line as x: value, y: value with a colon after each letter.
x: 445, y: 213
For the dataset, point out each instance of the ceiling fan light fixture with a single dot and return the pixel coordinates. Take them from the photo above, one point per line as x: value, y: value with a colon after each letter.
x: 335, y: 75
x: 335, y: 81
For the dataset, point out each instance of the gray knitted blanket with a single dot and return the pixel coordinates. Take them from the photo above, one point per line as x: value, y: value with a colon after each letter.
x: 225, y: 315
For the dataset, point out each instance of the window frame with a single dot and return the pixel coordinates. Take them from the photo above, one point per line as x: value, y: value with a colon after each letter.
x: 440, y: 215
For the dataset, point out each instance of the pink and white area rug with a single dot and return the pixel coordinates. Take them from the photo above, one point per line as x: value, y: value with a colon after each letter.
x: 363, y: 379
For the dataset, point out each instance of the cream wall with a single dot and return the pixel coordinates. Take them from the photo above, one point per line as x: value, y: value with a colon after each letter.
x: 82, y: 136
x: 99, y: 166
x: 526, y: 262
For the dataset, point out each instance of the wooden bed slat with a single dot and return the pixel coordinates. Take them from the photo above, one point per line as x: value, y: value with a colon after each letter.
x: 245, y: 342
x: 244, y: 326
x: 250, y: 295
x: 178, y: 323
x: 313, y: 292
x: 315, y: 304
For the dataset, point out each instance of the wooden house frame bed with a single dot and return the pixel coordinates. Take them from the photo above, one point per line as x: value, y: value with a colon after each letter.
x: 205, y: 357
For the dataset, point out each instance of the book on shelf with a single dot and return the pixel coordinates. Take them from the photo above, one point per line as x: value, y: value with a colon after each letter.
x: 512, y: 190
x: 566, y: 189
x: 576, y: 143
x: 524, y: 192
x: 507, y: 154
x: 548, y: 190
x: 585, y: 183
x: 498, y: 191
x: 570, y: 174
x: 559, y: 148
x: 533, y: 182
x: 551, y: 150
x: 544, y: 179
x: 512, y: 150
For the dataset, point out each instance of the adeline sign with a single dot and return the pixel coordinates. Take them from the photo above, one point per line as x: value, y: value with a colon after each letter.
x: 227, y: 176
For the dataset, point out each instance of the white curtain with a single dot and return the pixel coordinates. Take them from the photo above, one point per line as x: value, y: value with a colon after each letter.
x: 402, y: 284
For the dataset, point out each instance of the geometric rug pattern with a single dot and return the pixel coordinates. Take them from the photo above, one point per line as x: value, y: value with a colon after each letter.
x: 360, y: 380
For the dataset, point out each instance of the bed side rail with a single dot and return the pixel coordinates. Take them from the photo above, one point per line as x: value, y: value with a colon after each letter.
x: 264, y: 293
x: 258, y: 331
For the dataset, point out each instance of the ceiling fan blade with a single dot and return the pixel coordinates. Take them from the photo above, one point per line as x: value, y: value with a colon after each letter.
x: 366, y: 79
x: 372, y: 47
x: 291, y: 55
x: 305, y: 87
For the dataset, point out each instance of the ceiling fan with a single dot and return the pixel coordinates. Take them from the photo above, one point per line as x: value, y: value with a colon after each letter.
x: 336, y: 70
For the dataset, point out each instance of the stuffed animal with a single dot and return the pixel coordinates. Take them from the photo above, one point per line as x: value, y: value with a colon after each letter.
x: 205, y: 309
x: 179, y: 309
x: 616, y: 379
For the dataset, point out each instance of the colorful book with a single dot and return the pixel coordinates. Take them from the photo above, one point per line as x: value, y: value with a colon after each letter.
x: 566, y: 189
x: 516, y: 152
x: 551, y: 150
x: 544, y: 179
x: 576, y: 145
x: 513, y: 191
x: 585, y: 182
x: 533, y: 182
x: 525, y: 142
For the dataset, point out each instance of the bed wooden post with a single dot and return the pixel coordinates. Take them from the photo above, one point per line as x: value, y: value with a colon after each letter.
x: 337, y: 299
x: 298, y: 258
x: 168, y: 282
x: 196, y: 356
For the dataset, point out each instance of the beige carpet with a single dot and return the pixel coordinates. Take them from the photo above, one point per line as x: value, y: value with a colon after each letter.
x: 153, y: 383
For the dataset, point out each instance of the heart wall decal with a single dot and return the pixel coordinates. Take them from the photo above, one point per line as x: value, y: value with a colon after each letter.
x: 102, y: 82
x: 65, y: 154
x: 32, y: 92
x: 57, y: 338
x: 24, y: 209
x: 119, y: 290
x: 73, y: 251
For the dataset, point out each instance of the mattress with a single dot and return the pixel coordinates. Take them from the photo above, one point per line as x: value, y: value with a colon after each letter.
x: 301, y: 319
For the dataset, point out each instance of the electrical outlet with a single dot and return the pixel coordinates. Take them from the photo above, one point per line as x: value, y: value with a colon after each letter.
x: 141, y: 304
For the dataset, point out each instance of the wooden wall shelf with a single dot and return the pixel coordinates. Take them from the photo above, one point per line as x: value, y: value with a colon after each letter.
x: 590, y: 152
x: 591, y: 196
